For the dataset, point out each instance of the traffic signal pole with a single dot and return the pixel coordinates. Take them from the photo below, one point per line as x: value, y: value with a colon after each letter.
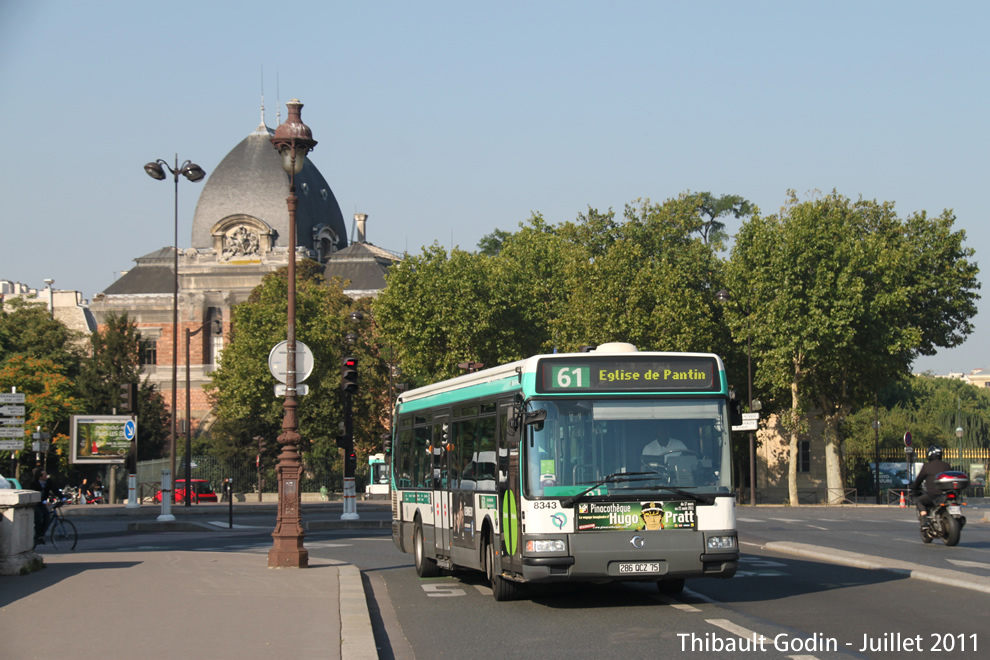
x: 349, y: 385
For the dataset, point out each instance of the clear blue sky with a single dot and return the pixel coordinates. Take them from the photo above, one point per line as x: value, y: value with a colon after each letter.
x: 446, y: 120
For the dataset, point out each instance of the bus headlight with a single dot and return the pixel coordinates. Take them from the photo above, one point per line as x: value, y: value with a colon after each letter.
x: 545, y: 545
x: 721, y: 542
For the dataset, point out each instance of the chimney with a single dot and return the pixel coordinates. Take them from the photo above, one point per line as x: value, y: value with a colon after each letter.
x: 360, y: 219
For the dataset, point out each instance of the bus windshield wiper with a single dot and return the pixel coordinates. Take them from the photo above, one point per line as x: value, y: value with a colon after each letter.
x: 683, y: 493
x: 614, y: 478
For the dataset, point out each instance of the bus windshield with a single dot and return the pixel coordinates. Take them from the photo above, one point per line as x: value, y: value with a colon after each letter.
x: 675, y: 443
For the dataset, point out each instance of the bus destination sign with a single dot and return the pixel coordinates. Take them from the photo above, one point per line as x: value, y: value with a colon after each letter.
x: 628, y: 374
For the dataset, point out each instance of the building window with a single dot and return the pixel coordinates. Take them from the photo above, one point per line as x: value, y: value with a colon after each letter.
x: 804, y: 456
x: 216, y: 349
x: 148, y: 352
x: 215, y: 343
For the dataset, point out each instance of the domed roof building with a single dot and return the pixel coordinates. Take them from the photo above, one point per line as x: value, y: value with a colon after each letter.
x: 240, y: 233
x: 242, y: 211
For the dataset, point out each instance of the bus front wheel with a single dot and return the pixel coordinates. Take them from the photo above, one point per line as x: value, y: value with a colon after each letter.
x: 502, y: 589
x: 426, y: 567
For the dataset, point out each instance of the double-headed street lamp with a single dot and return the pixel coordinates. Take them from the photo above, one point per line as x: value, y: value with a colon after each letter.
x: 293, y: 140
x: 194, y: 173
x: 217, y: 329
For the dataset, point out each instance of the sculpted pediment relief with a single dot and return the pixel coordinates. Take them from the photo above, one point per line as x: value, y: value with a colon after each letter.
x: 239, y: 237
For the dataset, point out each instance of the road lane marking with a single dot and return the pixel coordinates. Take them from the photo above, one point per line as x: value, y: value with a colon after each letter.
x: 737, y: 630
x: 747, y: 634
x: 676, y: 604
x: 969, y: 564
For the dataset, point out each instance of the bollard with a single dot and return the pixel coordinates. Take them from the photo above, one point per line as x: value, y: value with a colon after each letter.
x: 166, y: 514
x: 350, y: 501
x: 230, y: 503
x: 132, y: 502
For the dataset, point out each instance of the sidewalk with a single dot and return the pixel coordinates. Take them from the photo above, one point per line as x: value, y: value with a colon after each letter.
x: 163, y: 604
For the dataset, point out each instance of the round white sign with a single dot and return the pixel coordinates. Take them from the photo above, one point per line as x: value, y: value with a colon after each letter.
x: 278, y: 357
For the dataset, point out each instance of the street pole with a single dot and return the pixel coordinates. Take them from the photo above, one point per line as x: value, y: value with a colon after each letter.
x: 752, y: 436
x: 293, y: 139
x: 876, y: 445
x: 192, y: 172
x: 51, y: 298
x: 190, y: 333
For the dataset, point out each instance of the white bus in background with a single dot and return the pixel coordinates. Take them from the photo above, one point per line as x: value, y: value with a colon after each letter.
x: 378, y: 478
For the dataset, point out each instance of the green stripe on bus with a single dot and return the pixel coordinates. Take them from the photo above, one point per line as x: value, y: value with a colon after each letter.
x: 510, y: 522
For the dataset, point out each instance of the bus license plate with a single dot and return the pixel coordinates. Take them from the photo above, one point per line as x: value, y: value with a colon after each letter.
x: 955, y: 510
x: 639, y: 567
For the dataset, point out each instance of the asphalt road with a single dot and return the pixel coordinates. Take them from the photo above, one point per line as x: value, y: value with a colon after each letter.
x: 799, y: 607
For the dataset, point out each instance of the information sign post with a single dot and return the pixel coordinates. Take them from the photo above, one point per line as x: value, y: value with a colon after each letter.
x: 12, y: 425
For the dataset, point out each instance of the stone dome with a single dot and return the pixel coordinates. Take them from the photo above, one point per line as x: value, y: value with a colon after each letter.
x: 249, y: 187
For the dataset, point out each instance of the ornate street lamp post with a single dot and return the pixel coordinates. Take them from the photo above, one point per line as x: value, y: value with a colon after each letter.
x: 293, y: 140
x: 194, y: 173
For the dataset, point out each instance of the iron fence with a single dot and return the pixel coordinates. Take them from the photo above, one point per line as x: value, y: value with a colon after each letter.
x: 245, y: 478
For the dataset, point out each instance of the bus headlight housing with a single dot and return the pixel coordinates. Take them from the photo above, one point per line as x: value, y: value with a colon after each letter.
x: 721, y: 542
x: 545, y: 545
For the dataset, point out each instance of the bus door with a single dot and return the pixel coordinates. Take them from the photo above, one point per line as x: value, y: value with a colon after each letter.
x: 509, y: 490
x: 442, y: 475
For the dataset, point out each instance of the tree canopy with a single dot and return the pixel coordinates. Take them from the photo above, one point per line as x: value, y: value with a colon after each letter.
x: 649, y: 279
x: 242, y: 388
x: 838, y: 297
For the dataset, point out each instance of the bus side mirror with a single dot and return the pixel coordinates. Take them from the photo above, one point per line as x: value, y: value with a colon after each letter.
x: 535, y: 417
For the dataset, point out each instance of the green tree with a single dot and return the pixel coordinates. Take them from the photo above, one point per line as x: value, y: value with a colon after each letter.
x: 712, y: 208
x: 242, y: 388
x: 833, y: 303
x: 648, y: 281
x: 114, y: 361
x: 439, y: 310
x: 491, y: 244
x: 49, y: 401
x: 27, y: 328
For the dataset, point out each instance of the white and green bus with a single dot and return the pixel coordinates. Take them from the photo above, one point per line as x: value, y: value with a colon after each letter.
x: 609, y: 465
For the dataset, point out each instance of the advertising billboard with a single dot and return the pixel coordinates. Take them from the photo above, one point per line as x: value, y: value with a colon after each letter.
x: 102, y: 438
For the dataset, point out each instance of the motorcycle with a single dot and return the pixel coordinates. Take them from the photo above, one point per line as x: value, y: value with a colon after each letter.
x: 945, y: 518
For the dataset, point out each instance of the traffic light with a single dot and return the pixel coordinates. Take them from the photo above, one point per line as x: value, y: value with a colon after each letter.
x: 344, y: 442
x: 128, y: 397
x: 351, y: 464
x: 349, y: 375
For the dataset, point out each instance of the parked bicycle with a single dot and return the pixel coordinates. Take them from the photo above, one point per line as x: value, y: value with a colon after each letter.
x: 61, y: 532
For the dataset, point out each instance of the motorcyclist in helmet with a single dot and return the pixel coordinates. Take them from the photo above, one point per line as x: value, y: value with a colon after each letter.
x: 934, y: 467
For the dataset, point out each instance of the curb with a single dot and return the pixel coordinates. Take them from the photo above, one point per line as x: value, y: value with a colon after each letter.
x: 357, y: 639
x: 944, y: 576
